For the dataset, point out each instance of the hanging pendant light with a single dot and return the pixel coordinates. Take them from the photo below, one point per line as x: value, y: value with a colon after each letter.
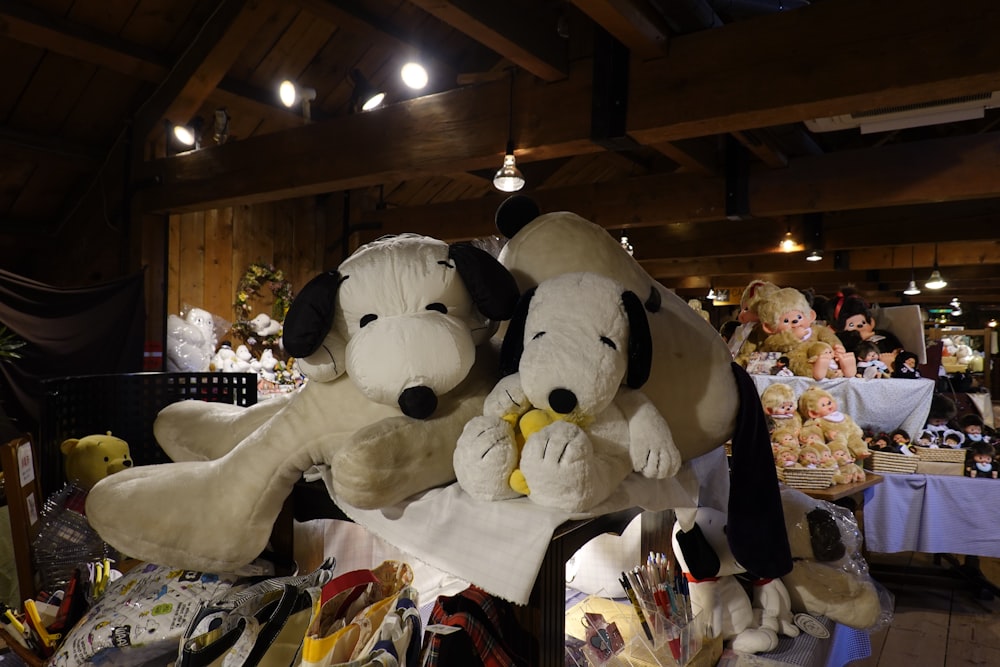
x: 627, y: 246
x: 912, y: 289
x: 509, y: 178
x: 936, y: 281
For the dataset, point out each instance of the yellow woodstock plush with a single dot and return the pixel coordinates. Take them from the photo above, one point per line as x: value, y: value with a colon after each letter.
x: 92, y: 458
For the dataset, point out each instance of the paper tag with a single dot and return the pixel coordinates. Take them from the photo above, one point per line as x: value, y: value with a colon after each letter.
x: 25, y: 464
x: 440, y: 629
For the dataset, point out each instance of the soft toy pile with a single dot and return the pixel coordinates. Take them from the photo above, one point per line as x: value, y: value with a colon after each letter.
x: 809, y: 431
x: 393, y: 342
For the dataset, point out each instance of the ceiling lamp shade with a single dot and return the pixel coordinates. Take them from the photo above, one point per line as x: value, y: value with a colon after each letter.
x: 912, y: 289
x: 509, y: 178
x: 627, y: 246
x: 936, y: 281
x: 788, y: 243
x: 814, y: 256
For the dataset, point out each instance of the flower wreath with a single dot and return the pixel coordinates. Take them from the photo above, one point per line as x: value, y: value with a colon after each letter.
x: 259, y: 275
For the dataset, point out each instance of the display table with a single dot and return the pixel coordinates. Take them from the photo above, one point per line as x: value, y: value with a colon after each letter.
x: 842, y: 647
x: 880, y: 405
x: 932, y: 514
x: 936, y: 514
x: 838, y: 491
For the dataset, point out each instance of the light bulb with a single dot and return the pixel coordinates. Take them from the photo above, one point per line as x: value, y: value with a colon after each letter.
x: 626, y: 245
x: 508, y: 178
x: 788, y: 243
x: 286, y: 92
x: 414, y: 75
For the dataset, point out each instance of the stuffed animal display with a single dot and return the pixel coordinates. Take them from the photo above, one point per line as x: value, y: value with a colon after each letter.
x: 576, y: 353
x: 705, y: 397
x: 93, y: 457
x: 396, y: 338
x: 980, y: 461
x: 751, y: 625
x: 813, y: 350
x: 190, y: 341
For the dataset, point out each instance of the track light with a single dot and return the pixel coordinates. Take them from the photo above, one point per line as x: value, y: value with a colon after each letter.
x: 290, y: 94
x: 936, y: 281
x: 414, y: 75
x: 365, y: 96
x: 509, y: 178
x: 187, y: 136
x: 220, y: 128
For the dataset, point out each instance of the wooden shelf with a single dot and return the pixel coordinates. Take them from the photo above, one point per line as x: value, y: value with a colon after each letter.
x: 838, y: 491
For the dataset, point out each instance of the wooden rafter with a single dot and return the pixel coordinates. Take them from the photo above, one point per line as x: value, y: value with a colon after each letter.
x: 634, y: 24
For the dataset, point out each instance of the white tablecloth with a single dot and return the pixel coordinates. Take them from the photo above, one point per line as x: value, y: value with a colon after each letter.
x: 499, y: 546
x: 932, y: 514
x: 884, y: 404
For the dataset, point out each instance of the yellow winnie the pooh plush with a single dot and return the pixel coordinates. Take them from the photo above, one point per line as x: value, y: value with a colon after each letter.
x: 92, y: 458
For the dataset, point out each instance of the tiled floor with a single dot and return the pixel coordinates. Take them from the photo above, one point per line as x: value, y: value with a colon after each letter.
x: 939, y: 621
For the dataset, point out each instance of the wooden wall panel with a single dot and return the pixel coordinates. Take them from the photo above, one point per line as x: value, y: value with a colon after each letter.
x: 210, y: 251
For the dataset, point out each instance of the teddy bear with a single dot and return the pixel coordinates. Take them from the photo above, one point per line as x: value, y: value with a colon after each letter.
x: 829, y: 577
x: 397, y: 344
x: 576, y: 353
x: 789, y: 321
x: 818, y: 407
x: 93, y: 457
x: 691, y: 380
x: 751, y: 625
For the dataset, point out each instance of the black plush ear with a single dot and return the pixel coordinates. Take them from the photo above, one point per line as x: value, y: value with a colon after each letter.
x: 513, y: 340
x: 493, y: 289
x: 756, y: 523
x: 824, y: 536
x: 701, y: 559
x: 310, y: 316
x: 514, y: 213
x: 654, y: 301
x: 640, y: 341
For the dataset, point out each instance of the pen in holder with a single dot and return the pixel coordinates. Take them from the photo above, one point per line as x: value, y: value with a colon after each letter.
x: 675, y: 639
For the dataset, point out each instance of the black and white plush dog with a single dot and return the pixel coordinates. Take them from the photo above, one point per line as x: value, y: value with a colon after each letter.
x: 393, y: 341
x: 575, y: 354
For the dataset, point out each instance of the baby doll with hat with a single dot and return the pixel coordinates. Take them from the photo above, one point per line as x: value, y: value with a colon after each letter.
x: 786, y: 316
x: 819, y: 408
x: 942, y: 411
x: 974, y: 429
x: 980, y: 462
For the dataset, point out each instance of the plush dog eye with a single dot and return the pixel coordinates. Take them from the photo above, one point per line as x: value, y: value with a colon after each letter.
x: 440, y: 307
x: 610, y: 343
x: 370, y: 317
x: 538, y: 335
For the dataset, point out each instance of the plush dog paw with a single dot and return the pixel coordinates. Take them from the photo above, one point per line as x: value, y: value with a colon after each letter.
x: 485, y: 457
x: 755, y: 640
x: 657, y: 461
x: 507, y: 398
x: 558, y: 464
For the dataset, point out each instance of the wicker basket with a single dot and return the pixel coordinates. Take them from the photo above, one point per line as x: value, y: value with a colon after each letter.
x: 892, y: 462
x: 809, y: 478
x: 941, y: 454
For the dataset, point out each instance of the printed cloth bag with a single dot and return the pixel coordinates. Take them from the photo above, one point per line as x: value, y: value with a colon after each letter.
x: 259, y: 626
x: 365, y: 618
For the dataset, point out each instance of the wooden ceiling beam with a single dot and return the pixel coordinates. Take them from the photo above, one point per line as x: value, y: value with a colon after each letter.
x: 526, y: 38
x: 204, y: 64
x: 19, y: 145
x: 634, y: 24
x: 792, y: 66
x: 760, y: 147
x: 462, y: 129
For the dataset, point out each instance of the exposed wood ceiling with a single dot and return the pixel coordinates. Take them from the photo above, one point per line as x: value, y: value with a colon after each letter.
x: 680, y: 123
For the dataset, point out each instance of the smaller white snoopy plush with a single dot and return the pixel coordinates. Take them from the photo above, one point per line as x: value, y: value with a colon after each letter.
x: 567, y: 423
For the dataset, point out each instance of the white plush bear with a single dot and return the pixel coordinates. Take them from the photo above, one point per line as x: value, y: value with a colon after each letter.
x: 190, y: 341
x: 577, y: 350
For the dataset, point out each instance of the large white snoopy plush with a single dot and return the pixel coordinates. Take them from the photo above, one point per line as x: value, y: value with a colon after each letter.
x: 575, y: 354
x: 394, y: 344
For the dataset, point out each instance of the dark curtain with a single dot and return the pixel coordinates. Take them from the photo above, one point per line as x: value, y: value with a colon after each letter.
x: 69, y: 331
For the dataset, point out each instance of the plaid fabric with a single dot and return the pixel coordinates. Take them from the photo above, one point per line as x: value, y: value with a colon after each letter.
x: 489, y: 638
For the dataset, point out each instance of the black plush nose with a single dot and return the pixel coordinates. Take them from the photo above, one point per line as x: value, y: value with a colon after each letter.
x: 562, y: 401
x: 418, y: 402
x: 127, y: 463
